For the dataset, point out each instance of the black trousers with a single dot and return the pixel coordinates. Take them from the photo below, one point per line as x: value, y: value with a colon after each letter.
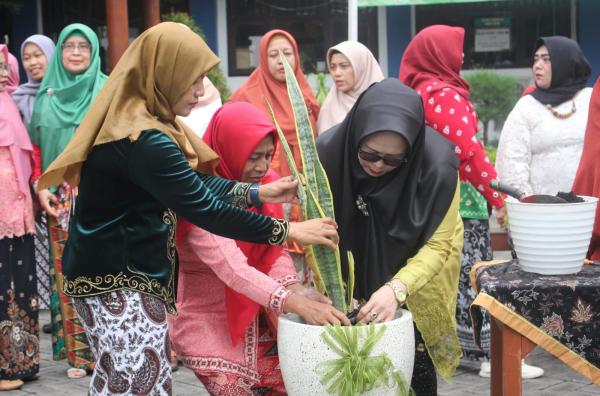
x: 424, y: 378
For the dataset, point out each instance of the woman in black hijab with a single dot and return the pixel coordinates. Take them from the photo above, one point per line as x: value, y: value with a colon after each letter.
x: 546, y: 127
x: 569, y: 70
x: 394, y: 184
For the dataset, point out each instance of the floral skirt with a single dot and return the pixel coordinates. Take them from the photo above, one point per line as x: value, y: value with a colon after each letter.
x: 477, y: 247
x: 130, y: 339
x: 19, y: 331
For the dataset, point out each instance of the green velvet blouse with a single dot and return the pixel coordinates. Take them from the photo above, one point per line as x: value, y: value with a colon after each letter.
x: 122, y: 234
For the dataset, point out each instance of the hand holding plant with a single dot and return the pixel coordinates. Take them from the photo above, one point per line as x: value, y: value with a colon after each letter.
x: 321, y: 231
x: 309, y: 293
x: 383, y: 303
x: 313, y: 312
x: 279, y: 191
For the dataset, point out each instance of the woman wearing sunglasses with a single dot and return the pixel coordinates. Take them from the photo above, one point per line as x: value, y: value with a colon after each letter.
x: 395, y: 191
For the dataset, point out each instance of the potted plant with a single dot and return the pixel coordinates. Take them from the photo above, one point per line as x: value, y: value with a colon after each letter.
x: 375, y: 359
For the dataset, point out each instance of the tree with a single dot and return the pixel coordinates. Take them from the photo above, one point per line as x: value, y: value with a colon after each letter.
x: 493, y: 96
x: 215, y: 75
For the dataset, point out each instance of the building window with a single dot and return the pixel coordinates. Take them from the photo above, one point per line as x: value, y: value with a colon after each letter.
x: 500, y: 34
x: 315, y: 24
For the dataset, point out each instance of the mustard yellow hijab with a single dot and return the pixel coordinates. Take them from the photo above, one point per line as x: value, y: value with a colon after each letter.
x: 153, y: 74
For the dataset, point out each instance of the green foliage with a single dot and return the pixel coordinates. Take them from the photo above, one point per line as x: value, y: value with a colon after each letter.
x: 493, y: 96
x: 215, y: 75
x: 315, y: 197
x: 356, y: 371
x: 322, y: 88
x: 491, y: 153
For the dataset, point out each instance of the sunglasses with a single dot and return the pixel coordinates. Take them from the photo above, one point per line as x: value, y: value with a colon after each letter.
x: 388, y: 160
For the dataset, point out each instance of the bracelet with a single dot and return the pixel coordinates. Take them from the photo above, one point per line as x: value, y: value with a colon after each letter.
x: 254, y: 199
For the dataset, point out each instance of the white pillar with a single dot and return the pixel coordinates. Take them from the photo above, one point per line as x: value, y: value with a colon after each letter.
x: 353, y: 20
x: 222, y: 43
x: 40, y: 20
x: 382, y: 39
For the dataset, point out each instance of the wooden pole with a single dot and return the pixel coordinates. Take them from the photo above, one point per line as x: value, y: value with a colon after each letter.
x: 151, y: 10
x: 117, y: 23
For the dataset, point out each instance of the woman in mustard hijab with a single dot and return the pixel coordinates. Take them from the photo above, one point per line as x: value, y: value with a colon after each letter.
x: 137, y: 168
x: 70, y: 85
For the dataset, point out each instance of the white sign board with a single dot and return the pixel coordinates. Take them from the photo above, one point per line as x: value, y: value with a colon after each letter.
x: 492, y: 40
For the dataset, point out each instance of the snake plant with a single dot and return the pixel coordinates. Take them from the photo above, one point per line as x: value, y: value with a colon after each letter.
x: 316, y: 199
x: 356, y: 371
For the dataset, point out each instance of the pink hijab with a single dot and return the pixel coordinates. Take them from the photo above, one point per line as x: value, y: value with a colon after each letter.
x: 366, y: 72
x: 12, y: 131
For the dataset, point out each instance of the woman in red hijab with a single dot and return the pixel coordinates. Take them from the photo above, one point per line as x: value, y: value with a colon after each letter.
x: 431, y: 65
x: 587, y: 179
x: 267, y: 81
x: 231, y: 291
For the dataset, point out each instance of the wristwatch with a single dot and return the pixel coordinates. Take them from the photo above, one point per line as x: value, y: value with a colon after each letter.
x: 254, y: 199
x: 399, y: 292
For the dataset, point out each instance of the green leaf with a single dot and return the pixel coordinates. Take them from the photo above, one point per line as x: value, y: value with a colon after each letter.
x: 356, y: 371
x: 316, y: 198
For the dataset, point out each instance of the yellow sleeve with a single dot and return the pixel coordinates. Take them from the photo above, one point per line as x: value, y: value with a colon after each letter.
x: 430, y: 259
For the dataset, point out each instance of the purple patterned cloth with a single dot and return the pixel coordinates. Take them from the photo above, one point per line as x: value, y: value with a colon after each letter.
x: 565, y: 307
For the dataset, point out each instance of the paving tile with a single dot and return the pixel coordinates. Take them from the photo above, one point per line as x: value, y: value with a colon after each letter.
x: 558, y: 380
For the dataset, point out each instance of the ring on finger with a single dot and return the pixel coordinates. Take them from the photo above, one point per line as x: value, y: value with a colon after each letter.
x: 374, y: 315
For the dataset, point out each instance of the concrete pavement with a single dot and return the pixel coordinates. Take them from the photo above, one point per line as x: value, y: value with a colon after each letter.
x: 559, y: 379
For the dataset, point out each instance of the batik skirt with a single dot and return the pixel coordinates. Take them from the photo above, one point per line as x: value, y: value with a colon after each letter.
x: 19, y: 331
x: 68, y: 336
x: 477, y: 247
x: 129, y: 336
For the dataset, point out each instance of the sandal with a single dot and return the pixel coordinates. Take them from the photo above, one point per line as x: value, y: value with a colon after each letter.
x: 8, y: 385
x: 75, y: 373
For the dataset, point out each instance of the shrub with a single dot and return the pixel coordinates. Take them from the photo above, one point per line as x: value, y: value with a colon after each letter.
x: 493, y: 96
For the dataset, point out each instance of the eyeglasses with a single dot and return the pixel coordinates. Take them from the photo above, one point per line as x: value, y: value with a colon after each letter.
x: 4, y: 66
x: 81, y: 47
x: 392, y: 161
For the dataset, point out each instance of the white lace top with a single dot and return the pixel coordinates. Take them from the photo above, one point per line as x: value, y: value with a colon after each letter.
x: 538, y: 152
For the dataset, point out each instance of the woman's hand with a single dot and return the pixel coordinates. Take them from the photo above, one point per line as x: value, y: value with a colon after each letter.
x: 502, y: 217
x: 279, y: 191
x: 309, y: 293
x: 313, y: 312
x: 381, y: 307
x: 47, y: 200
x: 315, y: 232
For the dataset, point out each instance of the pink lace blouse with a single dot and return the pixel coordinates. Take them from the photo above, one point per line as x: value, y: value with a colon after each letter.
x: 16, y: 208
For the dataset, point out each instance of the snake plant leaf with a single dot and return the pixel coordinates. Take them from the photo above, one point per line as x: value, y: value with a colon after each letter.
x: 317, y: 200
x: 288, y: 153
x: 356, y: 371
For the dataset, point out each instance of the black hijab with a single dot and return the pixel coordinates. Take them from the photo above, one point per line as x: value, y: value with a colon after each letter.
x: 406, y: 205
x: 570, y: 70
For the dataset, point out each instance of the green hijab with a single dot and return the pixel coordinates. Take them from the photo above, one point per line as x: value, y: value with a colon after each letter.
x: 64, y: 98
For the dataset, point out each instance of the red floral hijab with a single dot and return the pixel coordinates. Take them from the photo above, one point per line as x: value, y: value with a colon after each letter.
x: 233, y: 133
x: 435, y: 54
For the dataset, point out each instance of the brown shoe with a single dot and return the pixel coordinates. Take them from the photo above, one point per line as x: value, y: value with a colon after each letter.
x: 8, y: 385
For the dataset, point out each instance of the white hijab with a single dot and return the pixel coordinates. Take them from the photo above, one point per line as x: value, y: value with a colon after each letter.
x: 366, y: 72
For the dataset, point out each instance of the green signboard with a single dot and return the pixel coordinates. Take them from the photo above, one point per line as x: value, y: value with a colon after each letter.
x: 376, y: 3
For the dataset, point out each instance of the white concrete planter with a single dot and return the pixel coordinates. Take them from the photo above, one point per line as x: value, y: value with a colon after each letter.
x: 551, y: 239
x: 301, y: 349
